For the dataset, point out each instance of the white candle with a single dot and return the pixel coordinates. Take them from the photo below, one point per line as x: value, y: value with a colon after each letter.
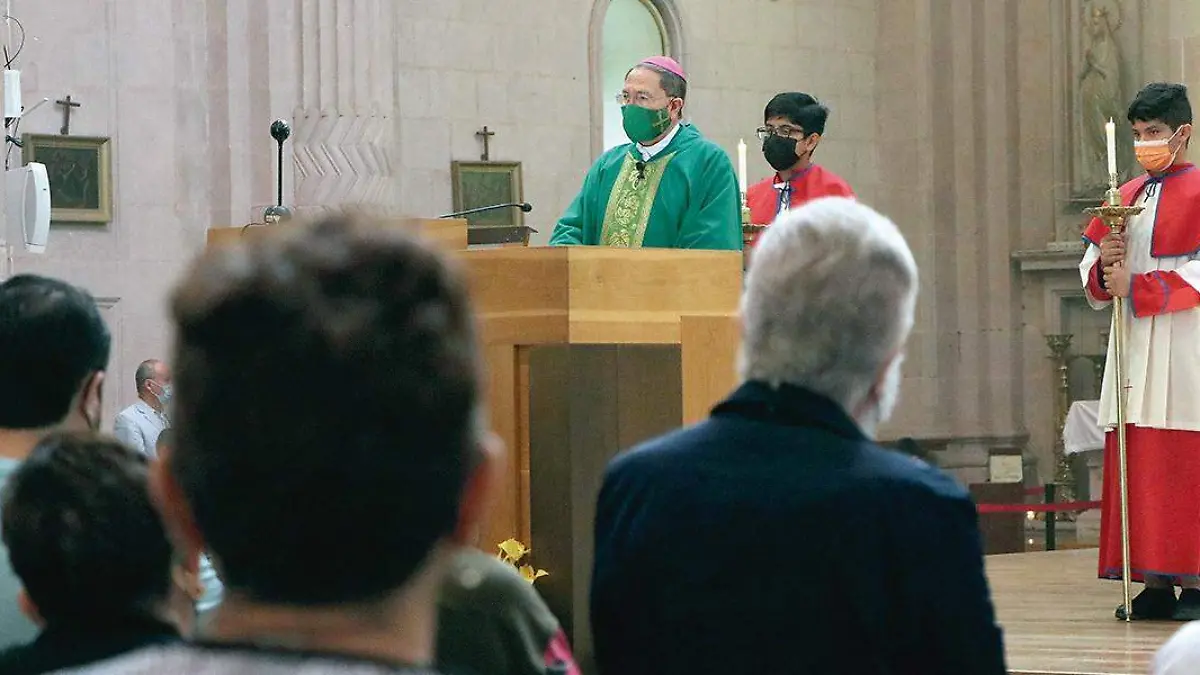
x: 1110, y: 130
x: 742, y: 165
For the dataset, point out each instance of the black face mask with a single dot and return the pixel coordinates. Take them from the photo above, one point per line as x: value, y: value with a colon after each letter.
x: 780, y: 152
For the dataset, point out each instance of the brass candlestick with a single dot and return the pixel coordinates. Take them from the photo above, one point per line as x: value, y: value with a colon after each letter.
x: 1059, y: 346
x: 1114, y: 215
x: 749, y: 232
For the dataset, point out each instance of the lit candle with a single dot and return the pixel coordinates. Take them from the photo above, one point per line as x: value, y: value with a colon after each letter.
x: 1110, y: 130
x: 742, y: 165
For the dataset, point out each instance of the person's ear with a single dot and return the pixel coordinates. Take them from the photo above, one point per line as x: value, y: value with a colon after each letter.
x: 91, y: 400
x: 174, y: 509
x: 811, y: 142
x: 478, y: 494
x: 29, y: 608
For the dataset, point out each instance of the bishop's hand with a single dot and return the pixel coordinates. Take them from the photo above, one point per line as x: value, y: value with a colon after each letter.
x: 1112, y: 250
x: 1117, y: 280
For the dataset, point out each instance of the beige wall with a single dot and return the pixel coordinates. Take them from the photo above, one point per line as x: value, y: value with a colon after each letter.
x: 383, y: 94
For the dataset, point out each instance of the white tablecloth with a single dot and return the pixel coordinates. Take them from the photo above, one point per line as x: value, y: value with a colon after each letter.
x: 1082, y: 431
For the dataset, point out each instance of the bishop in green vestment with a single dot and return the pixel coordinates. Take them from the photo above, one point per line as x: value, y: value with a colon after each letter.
x: 669, y: 188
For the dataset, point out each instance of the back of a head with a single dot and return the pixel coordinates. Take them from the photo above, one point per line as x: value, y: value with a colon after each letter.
x: 326, y: 391
x: 51, y: 338
x: 1164, y: 101
x: 801, y: 109
x: 829, y: 299
x: 82, y: 533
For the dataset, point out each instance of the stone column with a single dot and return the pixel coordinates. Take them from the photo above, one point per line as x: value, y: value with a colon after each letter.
x: 345, y: 126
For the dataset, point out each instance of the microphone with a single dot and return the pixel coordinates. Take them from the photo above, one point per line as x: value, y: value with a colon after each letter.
x: 641, y: 169
x: 525, y: 207
x: 280, y: 131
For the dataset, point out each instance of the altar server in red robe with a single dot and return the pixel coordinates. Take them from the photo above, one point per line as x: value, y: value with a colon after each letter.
x: 1155, y: 264
x: 792, y: 129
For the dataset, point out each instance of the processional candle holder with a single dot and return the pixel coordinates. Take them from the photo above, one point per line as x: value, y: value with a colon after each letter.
x: 1059, y: 346
x: 1114, y: 214
x: 750, y: 232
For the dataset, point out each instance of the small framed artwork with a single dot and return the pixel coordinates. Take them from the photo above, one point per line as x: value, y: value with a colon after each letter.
x: 79, y: 169
x: 479, y: 184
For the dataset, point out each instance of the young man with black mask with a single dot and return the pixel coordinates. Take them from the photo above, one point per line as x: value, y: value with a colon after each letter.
x: 793, y: 125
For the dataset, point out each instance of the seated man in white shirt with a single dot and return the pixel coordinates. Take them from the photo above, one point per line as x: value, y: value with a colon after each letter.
x: 139, y: 425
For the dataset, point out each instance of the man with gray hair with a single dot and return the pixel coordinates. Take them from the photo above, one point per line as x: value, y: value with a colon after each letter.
x: 777, y: 536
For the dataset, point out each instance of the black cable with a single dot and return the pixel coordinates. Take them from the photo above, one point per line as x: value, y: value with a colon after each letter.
x: 8, y: 152
x: 9, y: 60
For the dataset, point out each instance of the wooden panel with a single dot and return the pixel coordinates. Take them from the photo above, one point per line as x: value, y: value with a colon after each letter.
x: 520, y: 294
x: 449, y: 233
x: 709, y: 350
x: 1001, y: 532
x: 596, y: 295
x: 1058, y: 617
x: 503, y: 394
x: 638, y: 296
x: 648, y: 400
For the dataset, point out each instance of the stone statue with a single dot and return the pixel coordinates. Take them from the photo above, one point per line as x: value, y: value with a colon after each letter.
x: 1100, y: 90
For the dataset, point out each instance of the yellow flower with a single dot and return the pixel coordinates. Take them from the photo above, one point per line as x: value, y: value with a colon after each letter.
x: 512, y: 550
x: 530, y: 575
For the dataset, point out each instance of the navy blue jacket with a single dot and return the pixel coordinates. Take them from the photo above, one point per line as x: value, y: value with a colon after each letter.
x: 775, y: 538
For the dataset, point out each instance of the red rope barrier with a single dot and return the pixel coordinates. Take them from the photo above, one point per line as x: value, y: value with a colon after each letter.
x: 1038, y: 508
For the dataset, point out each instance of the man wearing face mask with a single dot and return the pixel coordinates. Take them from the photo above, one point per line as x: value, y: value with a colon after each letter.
x: 139, y: 425
x: 1155, y: 263
x: 54, y: 349
x: 793, y: 125
x: 669, y: 188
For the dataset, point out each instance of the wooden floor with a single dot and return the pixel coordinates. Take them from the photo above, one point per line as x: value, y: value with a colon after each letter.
x: 1058, y: 617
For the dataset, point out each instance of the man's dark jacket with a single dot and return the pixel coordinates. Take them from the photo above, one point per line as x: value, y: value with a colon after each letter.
x: 775, y: 538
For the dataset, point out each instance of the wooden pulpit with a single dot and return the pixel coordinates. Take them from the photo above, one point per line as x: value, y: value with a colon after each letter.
x: 589, y: 351
x: 451, y: 233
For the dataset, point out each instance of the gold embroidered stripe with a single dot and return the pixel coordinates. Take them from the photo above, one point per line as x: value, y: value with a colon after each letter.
x: 630, y: 203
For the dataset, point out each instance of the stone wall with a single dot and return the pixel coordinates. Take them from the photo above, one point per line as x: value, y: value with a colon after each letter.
x: 383, y: 94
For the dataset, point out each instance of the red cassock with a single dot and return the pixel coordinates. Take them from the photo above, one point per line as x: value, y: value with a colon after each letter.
x: 765, y: 197
x: 1162, y: 363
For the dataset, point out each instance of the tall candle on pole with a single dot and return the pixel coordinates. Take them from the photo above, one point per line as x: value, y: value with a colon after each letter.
x: 1114, y: 214
x: 741, y: 166
x: 1110, y: 131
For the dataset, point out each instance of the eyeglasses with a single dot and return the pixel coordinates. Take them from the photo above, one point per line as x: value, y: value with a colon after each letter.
x: 640, y: 98
x: 783, y: 131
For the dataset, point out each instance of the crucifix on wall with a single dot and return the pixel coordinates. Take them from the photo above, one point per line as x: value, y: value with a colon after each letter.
x: 486, y: 134
x: 67, y: 104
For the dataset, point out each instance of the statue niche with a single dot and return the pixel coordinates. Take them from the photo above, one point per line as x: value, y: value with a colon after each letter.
x: 1101, y: 90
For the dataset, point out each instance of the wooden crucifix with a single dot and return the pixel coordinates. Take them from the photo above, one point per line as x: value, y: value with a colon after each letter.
x: 486, y: 134
x: 67, y: 104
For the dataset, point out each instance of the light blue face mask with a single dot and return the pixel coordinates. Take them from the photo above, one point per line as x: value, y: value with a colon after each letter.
x: 164, y: 395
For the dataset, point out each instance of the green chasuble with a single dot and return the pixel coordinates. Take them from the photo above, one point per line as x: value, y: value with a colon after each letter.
x: 685, y: 197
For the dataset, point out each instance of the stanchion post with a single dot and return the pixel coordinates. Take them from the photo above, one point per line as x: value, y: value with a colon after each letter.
x: 1051, y: 516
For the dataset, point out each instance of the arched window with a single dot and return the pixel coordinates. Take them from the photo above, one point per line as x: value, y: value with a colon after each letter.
x: 631, y: 31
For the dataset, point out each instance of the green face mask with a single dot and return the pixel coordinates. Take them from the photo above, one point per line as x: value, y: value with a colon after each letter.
x: 644, y: 124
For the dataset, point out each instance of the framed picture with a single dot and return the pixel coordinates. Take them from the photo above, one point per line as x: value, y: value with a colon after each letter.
x: 479, y: 184
x: 80, y: 172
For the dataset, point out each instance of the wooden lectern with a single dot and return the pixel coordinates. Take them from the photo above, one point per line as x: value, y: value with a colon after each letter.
x: 589, y: 351
x: 451, y: 233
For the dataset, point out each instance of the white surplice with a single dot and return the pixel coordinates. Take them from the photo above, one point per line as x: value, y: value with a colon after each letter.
x: 1162, y: 352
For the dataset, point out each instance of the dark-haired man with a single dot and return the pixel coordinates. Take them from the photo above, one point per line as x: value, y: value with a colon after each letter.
x: 793, y: 124
x: 334, y: 516
x: 668, y: 188
x: 54, y: 349
x: 1154, y: 263
x: 92, y: 554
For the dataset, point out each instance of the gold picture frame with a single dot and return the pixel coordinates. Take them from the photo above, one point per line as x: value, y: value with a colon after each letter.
x: 79, y: 169
x: 477, y: 184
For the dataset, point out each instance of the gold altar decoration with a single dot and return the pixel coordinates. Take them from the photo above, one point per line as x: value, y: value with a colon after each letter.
x: 1114, y: 215
x: 1059, y: 346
